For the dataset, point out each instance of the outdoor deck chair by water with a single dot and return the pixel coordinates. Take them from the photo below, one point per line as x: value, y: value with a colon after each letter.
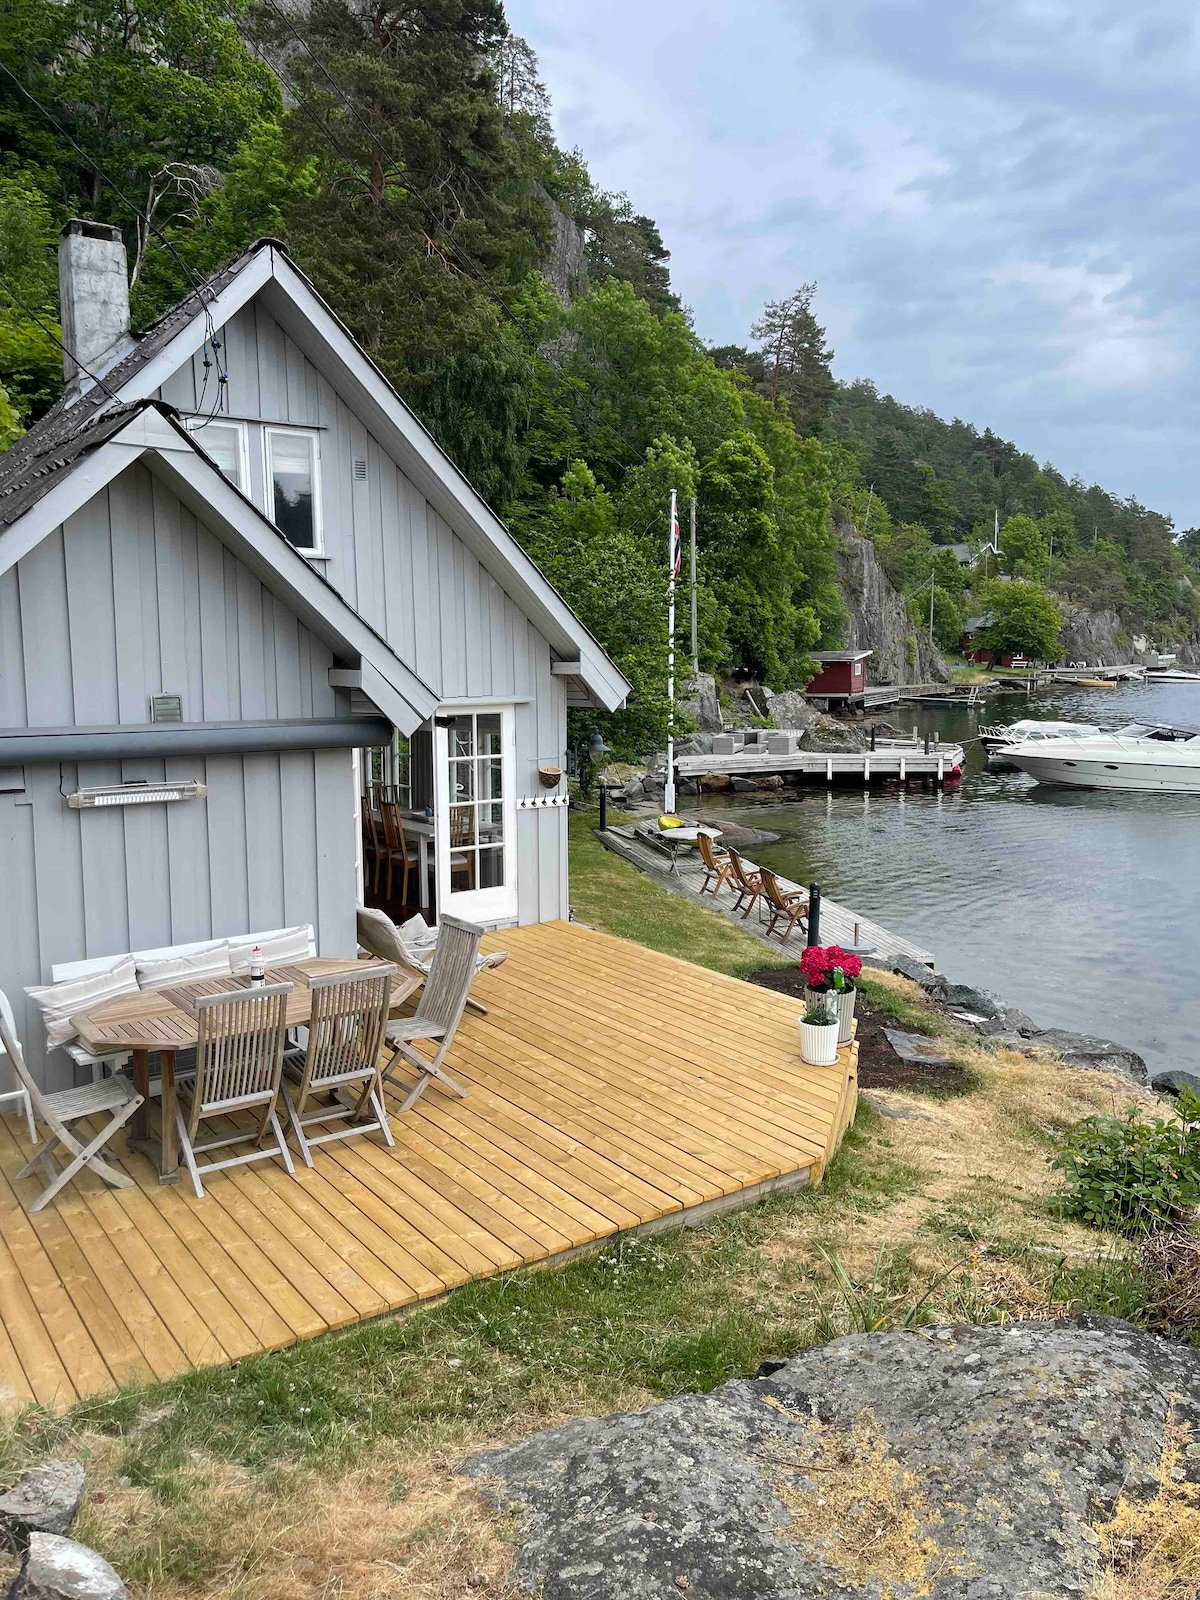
x: 344, y: 1054
x: 747, y: 884
x: 115, y: 1095
x: 787, y: 906
x: 439, y: 1010
x: 239, y: 1062
x: 717, y: 869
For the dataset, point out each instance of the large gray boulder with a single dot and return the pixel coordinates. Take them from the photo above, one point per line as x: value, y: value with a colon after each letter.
x: 699, y: 702
x: 964, y: 1464
x: 45, y: 1500
x: 59, y: 1569
x: 1083, y: 1050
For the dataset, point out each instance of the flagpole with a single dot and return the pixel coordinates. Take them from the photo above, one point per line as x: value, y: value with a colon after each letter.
x: 672, y: 562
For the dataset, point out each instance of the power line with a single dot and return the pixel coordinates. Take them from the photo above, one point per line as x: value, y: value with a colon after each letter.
x: 198, y: 286
x: 50, y: 334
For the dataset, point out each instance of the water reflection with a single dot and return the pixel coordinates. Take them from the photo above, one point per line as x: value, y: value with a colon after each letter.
x: 1079, y: 907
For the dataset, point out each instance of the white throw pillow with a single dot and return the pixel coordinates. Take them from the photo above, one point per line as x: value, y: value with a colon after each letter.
x: 278, y: 947
x: 164, y: 972
x: 59, y: 1002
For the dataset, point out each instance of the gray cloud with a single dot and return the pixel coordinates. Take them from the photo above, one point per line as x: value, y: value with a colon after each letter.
x: 997, y: 197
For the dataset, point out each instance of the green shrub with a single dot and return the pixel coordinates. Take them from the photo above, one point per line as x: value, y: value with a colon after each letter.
x: 1130, y: 1175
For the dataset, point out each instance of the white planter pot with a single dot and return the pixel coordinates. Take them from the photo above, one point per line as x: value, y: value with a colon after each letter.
x: 819, y: 1044
x: 845, y: 1007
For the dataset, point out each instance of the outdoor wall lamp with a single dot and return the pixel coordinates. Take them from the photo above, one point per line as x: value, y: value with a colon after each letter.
x: 136, y: 794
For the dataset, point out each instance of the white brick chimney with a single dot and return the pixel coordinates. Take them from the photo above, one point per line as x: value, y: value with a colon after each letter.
x: 93, y: 283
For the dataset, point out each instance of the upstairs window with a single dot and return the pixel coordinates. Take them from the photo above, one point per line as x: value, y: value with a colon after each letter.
x: 225, y: 442
x: 293, y: 486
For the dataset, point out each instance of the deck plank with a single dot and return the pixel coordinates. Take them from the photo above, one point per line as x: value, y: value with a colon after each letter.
x: 609, y: 1088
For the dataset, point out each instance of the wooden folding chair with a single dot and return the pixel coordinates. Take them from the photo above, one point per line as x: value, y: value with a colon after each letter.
x: 115, y: 1095
x: 716, y: 867
x: 747, y: 884
x: 789, y: 906
x: 439, y: 1010
x: 239, y: 1062
x: 344, y: 1052
x: 20, y: 1094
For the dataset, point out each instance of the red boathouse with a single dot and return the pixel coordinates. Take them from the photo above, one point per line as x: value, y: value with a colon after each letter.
x: 842, y: 679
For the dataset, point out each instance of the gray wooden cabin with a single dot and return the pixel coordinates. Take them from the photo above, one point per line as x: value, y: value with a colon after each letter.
x: 249, y: 575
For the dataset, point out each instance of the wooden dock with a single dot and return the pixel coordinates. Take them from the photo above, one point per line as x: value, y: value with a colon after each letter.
x: 889, y: 761
x: 610, y: 1090
x: 684, y: 874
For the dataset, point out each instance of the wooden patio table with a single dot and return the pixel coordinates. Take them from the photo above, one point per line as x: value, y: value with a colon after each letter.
x: 164, y: 1020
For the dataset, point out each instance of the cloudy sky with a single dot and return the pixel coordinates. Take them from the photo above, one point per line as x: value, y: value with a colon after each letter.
x: 998, y: 198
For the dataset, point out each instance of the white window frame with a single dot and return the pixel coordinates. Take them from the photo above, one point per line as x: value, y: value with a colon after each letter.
x: 197, y: 425
x: 314, y: 443
x: 476, y: 905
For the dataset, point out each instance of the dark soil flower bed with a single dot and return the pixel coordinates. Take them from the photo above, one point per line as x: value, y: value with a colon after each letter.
x: 879, y: 1067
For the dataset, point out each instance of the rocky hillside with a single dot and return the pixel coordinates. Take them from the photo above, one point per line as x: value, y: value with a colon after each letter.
x: 879, y: 619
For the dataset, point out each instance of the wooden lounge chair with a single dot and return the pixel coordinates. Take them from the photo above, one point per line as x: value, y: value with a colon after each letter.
x: 412, y: 946
x: 789, y: 906
x: 239, y: 1063
x: 343, y: 1053
x: 748, y: 885
x: 115, y: 1095
x: 716, y: 867
x: 439, y: 1010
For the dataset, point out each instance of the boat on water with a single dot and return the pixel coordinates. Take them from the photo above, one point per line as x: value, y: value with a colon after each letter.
x: 1030, y: 729
x: 1142, y: 756
x: 1171, y: 675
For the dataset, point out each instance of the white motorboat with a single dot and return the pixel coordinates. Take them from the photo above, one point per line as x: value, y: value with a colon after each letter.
x: 1140, y: 756
x: 1171, y: 675
x: 1029, y: 730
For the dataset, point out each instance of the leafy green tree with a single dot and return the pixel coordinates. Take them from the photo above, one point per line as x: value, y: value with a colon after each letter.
x: 157, y: 96
x: 1023, y: 551
x: 613, y: 583
x: 1026, y: 620
x: 30, y: 361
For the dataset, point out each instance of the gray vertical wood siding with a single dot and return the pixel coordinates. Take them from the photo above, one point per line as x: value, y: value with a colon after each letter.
x: 402, y: 567
x: 270, y: 847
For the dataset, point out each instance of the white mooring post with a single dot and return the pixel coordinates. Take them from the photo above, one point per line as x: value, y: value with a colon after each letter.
x: 674, y: 555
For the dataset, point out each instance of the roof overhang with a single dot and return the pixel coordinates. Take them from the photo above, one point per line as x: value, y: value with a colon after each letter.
x: 152, y: 436
x: 328, y: 344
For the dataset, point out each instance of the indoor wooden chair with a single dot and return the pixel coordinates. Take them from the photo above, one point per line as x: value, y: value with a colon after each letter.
x: 788, y: 906
x: 239, y: 1062
x: 373, y: 845
x: 343, y: 1054
x: 439, y: 1010
x: 717, y: 869
x: 748, y: 885
x: 396, y: 849
x: 115, y: 1095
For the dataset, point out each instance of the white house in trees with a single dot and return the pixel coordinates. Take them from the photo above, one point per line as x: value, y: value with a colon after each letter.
x: 232, y: 560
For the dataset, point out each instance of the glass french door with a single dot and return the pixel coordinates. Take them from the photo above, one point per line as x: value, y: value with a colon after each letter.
x: 476, y: 814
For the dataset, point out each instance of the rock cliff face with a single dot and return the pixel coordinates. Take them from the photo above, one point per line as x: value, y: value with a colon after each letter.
x: 879, y: 619
x: 1094, y: 636
x: 566, y: 264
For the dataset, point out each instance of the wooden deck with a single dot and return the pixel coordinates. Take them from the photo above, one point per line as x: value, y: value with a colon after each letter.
x: 610, y: 1089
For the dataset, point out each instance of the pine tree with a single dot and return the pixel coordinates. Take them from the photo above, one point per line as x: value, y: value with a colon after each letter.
x: 795, y: 360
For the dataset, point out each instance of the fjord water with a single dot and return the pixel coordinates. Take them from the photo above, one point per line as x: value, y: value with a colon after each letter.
x: 1081, y: 908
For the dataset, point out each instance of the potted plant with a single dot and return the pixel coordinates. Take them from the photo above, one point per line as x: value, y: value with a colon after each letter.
x: 829, y: 974
x: 819, y: 1028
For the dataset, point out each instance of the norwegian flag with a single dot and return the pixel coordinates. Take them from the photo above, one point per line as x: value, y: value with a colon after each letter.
x: 676, y: 543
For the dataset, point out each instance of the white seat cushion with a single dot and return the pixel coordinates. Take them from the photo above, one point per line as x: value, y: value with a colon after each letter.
x: 164, y: 970
x: 59, y: 1002
x: 277, y: 947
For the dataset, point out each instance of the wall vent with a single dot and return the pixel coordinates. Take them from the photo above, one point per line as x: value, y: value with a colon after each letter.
x: 166, y: 708
x: 360, y: 468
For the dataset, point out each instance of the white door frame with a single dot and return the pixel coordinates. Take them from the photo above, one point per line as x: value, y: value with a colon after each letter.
x: 476, y: 905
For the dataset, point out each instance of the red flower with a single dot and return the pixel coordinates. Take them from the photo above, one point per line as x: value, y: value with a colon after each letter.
x: 818, y: 961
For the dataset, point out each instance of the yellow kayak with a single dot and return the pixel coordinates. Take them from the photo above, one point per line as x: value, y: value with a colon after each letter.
x: 1096, y: 683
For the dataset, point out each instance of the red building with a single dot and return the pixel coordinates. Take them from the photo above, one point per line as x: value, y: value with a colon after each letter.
x: 842, y: 679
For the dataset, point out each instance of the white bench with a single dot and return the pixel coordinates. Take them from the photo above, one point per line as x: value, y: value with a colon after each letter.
x: 240, y: 946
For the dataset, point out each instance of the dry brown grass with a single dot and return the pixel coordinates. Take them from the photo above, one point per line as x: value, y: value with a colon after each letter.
x: 850, y: 1501
x: 1151, y: 1548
